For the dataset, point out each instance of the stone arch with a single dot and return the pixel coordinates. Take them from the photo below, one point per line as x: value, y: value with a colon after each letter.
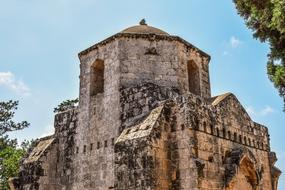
x: 246, y: 177
x: 97, y: 77
x: 193, y: 78
x: 241, y: 170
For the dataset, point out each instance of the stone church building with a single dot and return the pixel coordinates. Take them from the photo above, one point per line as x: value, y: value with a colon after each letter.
x: 146, y: 120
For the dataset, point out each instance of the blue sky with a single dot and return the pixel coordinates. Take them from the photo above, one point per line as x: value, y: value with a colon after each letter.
x: 40, y: 40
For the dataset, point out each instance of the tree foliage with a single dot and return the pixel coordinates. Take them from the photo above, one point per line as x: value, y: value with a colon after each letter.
x: 9, y: 164
x: 267, y: 20
x: 10, y: 153
x: 7, y: 112
x: 66, y: 105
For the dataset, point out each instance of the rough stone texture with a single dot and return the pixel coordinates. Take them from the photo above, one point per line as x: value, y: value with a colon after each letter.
x: 146, y: 120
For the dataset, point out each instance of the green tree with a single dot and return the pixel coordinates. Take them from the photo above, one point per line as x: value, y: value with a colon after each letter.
x: 267, y: 20
x: 9, y: 164
x: 10, y: 154
x: 7, y: 112
x: 66, y: 105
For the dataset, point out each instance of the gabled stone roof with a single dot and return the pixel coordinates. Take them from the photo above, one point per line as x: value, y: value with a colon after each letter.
x: 39, y: 149
x: 217, y: 99
x: 142, y: 129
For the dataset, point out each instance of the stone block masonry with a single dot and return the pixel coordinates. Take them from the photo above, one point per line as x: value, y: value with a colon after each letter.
x: 146, y: 120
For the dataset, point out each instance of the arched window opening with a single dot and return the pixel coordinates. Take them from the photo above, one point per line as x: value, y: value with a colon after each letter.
x: 246, y: 177
x: 193, y: 78
x: 205, y: 126
x: 212, y: 129
x: 224, y: 133
x: 245, y: 140
x: 97, y: 77
x: 229, y: 135
x: 218, y: 132
x: 240, y: 139
x: 235, y: 136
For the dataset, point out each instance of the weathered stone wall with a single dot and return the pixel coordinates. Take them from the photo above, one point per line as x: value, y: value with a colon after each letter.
x: 65, y: 124
x: 127, y: 62
x: 98, y: 121
x: 138, y: 101
x: 191, y: 150
x: 146, y: 120
x: 50, y: 164
x: 212, y: 146
x: 162, y: 62
x: 39, y: 173
x: 144, y: 157
x: 140, y: 72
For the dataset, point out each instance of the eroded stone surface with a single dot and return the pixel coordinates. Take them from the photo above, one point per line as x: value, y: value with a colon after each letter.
x: 146, y: 120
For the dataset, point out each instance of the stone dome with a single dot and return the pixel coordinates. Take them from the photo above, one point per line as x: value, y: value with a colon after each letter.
x: 143, y: 28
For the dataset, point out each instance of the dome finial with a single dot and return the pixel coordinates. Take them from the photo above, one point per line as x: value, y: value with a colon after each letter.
x: 142, y: 22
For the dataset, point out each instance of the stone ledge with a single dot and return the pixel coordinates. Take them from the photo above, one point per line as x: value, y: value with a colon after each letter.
x: 143, y: 36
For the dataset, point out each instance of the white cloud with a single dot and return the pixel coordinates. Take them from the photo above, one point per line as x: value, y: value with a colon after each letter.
x: 235, y: 42
x: 267, y: 110
x: 48, y: 130
x: 263, y: 112
x: 9, y: 80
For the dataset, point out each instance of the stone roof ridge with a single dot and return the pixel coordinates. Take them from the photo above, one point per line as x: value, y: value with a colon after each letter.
x: 223, y: 97
x: 45, y: 138
x: 74, y: 108
x: 144, y: 128
x: 39, y: 149
x: 218, y: 99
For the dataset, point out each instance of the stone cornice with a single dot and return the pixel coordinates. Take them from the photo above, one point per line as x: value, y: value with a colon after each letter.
x: 143, y: 36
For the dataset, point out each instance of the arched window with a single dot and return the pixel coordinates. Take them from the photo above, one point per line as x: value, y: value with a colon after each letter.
x: 193, y: 78
x: 224, y: 133
x: 245, y: 176
x: 218, y: 132
x: 229, y: 135
x: 249, y: 142
x: 235, y: 136
x: 97, y: 77
x: 205, y: 126
x: 212, y: 129
x: 245, y: 140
